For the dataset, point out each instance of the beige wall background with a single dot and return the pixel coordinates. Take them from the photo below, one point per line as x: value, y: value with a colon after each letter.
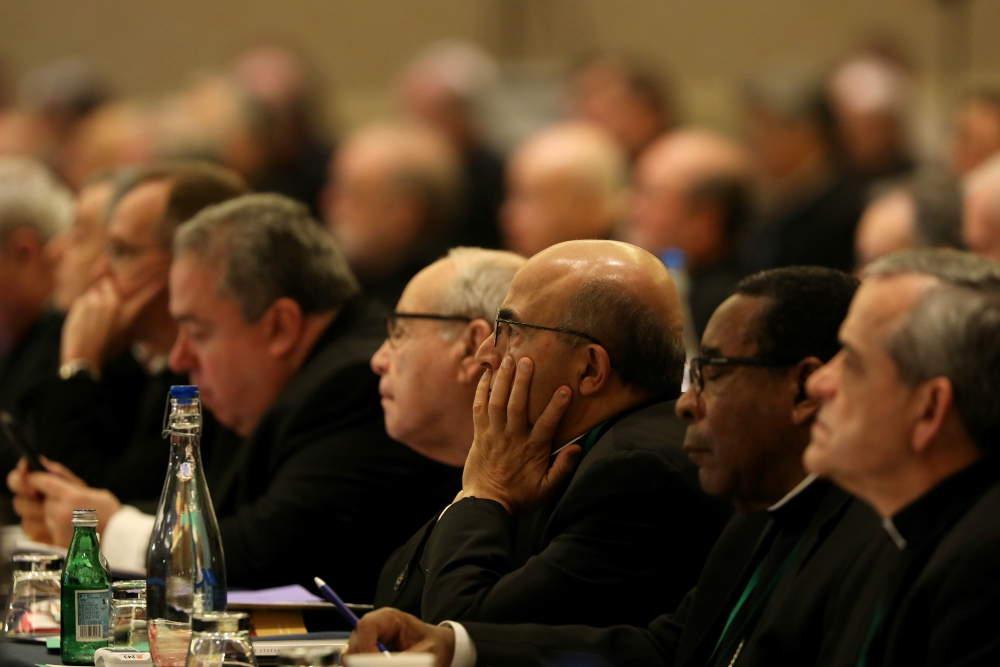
x: 150, y: 47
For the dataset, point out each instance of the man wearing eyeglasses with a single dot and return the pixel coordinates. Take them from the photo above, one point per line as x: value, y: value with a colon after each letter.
x: 428, y: 377
x: 762, y: 596
x: 102, y: 416
x: 623, y: 527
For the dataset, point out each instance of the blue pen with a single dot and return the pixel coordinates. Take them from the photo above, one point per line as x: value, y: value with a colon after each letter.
x: 344, y: 610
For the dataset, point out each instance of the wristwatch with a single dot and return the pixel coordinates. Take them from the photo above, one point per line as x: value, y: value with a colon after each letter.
x: 74, y: 367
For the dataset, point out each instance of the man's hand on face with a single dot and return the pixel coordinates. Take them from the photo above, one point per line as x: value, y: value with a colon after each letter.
x: 98, y: 320
x: 402, y: 632
x: 509, y: 460
x: 49, y: 498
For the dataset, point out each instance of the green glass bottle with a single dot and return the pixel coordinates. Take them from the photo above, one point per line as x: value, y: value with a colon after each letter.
x: 86, y: 600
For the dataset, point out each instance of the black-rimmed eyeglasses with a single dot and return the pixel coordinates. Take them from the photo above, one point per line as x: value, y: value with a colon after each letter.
x: 393, y: 332
x: 697, y: 363
x: 562, y: 330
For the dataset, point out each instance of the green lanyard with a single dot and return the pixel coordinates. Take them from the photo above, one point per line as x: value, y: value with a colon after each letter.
x: 870, y: 637
x: 591, y: 439
x: 760, y: 603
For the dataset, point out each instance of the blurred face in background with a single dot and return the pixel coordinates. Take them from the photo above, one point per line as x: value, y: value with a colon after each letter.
x: 75, y: 251
x: 136, y: 261
x: 885, y: 227
x: 976, y: 135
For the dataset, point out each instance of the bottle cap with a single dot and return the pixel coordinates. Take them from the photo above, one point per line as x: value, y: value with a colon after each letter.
x: 184, y: 393
x: 673, y: 258
x: 85, y: 518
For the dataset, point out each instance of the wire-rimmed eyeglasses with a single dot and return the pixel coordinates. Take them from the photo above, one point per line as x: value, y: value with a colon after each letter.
x: 393, y: 332
x: 562, y: 330
x: 697, y: 363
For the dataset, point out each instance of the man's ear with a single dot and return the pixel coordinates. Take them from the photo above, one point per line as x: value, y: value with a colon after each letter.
x: 24, y: 245
x: 282, y: 323
x: 804, y: 406
x: 933, y: 401
x: 596, y: 373
x: 472, y: 337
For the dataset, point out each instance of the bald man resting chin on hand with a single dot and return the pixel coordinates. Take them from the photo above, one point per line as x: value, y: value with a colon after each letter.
x: 582, y: 372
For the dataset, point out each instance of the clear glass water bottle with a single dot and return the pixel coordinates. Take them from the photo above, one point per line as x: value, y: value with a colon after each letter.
x: 185, y: 567
x: 86, y: 600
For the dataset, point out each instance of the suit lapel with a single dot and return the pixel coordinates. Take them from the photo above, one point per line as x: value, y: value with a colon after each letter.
x: 717, y: 594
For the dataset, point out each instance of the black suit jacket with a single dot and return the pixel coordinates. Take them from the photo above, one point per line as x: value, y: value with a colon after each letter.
x: 940, y: 592
x: 110, y: 432
x: 628, y: 534
x: 319, y: 489
x: 32, y: 362
x: 834, y: 531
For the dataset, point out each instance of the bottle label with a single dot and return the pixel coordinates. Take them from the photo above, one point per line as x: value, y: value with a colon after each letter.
x: 92, y: 608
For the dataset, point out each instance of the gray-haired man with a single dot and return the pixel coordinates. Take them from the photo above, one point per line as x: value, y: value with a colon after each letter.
x: 429, y: 372
x: 910, y: 423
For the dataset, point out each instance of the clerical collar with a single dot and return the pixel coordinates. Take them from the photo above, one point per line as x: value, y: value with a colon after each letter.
x: 799, y: 488
x: 933, y: 513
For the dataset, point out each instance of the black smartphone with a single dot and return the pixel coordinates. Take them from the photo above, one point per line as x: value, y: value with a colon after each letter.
x: 15, y: 434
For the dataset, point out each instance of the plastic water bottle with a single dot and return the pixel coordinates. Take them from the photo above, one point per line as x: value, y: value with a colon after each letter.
x: 86, y: 598
x: 185, y: 567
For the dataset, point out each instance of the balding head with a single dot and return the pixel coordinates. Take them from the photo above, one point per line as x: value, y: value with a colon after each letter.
x: 692, y: 191
x: 621, y: 324
x: 393, y: 187
x: 566, y: 182
x: 981, y: 210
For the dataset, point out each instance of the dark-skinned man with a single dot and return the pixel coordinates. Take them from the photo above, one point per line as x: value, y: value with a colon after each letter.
x: 748, y: 422
x: 598, y: 544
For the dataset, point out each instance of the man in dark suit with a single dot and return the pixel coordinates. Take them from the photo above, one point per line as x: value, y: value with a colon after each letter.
x: 909, y: 423
x: 33, y: 209
x: 598, y: 542
x: 811, y: 204
x: 275, y: 334
x: 766, y: 584
x: 101, y: 415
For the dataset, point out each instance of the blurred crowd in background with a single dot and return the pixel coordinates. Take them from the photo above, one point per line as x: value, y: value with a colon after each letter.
x: 822, y: 172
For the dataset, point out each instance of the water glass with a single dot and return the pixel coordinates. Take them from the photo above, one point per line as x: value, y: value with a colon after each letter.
x: 168, y: 642
x: 33, y: 605
x: 220, y: 638
x: 128, y: 615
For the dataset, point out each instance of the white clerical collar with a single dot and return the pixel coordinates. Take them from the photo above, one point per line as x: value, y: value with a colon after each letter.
x: 574, y: 441
x: 894, y: 533
x: 794, y: 492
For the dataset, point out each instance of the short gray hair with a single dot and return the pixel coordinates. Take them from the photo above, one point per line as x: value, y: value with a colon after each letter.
x: 947, y: 265
x: 30, y: 196
x: 271, y: 248
x: 484, y: 276
x: 647, y: 352
x: 952, y: 332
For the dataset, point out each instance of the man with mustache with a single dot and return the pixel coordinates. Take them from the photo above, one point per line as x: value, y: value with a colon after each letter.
x: 762, y: 596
